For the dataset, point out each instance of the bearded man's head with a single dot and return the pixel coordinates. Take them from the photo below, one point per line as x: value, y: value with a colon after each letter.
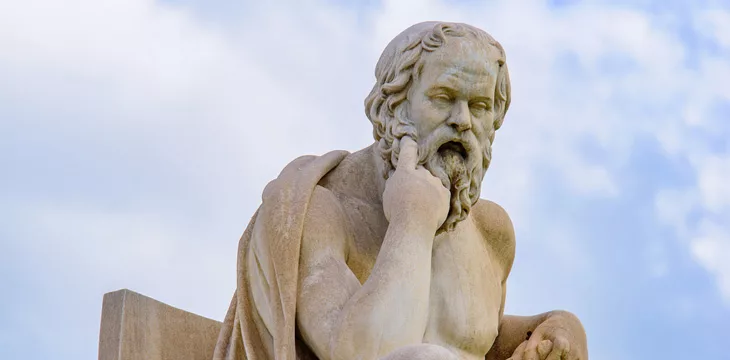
x: 445, y: 85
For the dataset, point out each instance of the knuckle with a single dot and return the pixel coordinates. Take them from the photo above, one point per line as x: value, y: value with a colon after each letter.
x: 529, y: 353
x: 562, y: 343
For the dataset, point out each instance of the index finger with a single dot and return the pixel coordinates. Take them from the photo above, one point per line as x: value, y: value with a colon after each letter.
x: 561, y: 348
x: 408, y: 156
x: 532, y: 345
x: 519, y: 351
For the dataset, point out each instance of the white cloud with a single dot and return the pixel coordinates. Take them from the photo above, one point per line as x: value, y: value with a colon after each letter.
x: 160, y: 257
x: 706, y: 238
x: 713, y: 182
x: 710, y: 239
x: 118, y: 42
x: 715, y: 23
x: 707, y: 197
x: 711, y: 247
x: 673, y: 207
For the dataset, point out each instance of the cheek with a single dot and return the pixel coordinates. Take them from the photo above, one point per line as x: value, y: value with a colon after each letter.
x: 486, y: 124
x: 427, y: 116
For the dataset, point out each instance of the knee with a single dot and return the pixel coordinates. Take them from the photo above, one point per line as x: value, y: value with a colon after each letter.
x: 421, y: 352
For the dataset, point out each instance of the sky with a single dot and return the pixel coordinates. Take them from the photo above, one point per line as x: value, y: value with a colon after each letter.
x: 136, y: 137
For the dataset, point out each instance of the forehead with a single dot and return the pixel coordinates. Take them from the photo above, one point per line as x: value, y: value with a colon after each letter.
x: 461, y: 63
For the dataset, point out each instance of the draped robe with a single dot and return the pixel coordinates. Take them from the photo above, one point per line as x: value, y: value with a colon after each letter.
x: 264, y: 328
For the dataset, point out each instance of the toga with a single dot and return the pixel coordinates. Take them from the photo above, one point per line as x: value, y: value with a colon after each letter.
x: 268, y: 261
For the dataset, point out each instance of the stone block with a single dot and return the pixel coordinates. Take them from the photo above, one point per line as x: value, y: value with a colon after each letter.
x: 136, y: 327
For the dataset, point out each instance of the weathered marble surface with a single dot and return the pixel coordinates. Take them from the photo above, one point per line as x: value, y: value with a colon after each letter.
x: 136, y: 327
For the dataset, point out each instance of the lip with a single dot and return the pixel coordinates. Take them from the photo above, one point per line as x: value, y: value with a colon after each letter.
x: 455, y: 145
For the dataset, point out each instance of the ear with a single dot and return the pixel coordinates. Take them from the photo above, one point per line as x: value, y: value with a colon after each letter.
x: 502, y: 95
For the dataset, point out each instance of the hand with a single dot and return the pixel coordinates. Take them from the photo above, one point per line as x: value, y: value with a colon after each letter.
x: 544, y: 348
x: 413, y: 196
x: 559, y: 337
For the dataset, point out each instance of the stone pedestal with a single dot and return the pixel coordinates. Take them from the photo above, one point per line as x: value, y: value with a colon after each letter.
x: 136, y: 327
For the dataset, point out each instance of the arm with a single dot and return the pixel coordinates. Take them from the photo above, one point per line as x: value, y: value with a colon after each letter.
x: 513, y: 331
x: 563, y: 330
x: 553, y: 335
x: 336, y: 314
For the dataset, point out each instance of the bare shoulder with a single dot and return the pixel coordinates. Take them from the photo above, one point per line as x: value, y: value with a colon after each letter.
x: 496, y: 227
x: 325, y: 231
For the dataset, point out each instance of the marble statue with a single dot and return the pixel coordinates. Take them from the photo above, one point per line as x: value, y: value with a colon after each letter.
x: 388, y: 252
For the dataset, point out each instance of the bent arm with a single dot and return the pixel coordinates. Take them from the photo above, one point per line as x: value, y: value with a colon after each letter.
x: 336, y: 314
x: 497, y: 228
x: 513, y: 330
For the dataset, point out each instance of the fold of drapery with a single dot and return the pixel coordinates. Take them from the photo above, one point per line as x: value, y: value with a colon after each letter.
x: 268, y: 267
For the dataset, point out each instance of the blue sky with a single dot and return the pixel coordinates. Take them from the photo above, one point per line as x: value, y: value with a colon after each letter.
x: 136, y: 137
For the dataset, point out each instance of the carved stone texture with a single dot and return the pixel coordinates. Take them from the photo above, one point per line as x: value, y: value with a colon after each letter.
x: 136, y: 327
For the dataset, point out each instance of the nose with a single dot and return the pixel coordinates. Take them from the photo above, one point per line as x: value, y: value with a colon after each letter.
x: 460, y: 118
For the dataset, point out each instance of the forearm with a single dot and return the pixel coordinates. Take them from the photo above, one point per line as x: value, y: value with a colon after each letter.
x: 513, y: 330
x: 392, y: 304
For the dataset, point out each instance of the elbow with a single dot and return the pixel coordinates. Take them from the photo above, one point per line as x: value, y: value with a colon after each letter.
x: 341, y: 344
x: 348, y: 344
x: 343, y: 348
x: 565, y: 316
x: 568, y: 321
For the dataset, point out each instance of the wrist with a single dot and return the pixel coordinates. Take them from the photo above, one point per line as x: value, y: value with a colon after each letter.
x: 414, y: 225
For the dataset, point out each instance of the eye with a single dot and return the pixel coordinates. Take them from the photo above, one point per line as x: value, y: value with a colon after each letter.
x: 441, y: 98
x: 479, y: 107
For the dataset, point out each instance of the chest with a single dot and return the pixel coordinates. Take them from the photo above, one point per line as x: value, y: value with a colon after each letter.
x: 466, y: 293
x: 465, y: 290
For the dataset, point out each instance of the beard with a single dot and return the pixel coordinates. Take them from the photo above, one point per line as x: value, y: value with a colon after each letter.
x: 455, y: 158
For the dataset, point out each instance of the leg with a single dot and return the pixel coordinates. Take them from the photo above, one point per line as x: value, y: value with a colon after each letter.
x: 421, y: 352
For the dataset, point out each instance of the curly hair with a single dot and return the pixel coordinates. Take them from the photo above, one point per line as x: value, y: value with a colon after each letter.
x: 401, y: 63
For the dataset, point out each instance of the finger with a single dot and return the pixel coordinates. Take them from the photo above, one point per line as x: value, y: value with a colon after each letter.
x: 556, y: 354
x: 531, y: 353
x: 544, y: 348
x: 408, y: 155
x: 531, y: 347
x: 561, y: 347
x: 562, y: 344
x: 517, y: 354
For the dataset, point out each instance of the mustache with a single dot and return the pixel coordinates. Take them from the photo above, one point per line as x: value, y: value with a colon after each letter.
x: 443, y: 135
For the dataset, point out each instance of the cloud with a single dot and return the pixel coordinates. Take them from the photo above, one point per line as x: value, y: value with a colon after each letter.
x: 700, y: 210
x: 711, y: 247
x: 715, y: 24
x: 700, y: 214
